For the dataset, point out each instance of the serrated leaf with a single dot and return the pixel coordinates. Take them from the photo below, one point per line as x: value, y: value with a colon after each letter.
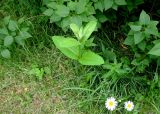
x: 91, y: 58
x: 81, y: 5
x: 52, y: 5
x: 135, y: 27
x: 144, y: 18
x: 129, y: 40
x: 120, y: 2
x: 25, y: 34
x: 63, y: 42
x: 138, y: 37
x: 48, y: 12
x: 54, y: 18
x: 20, y: 40
x: 108, y: 4
x: 99, y: 5
x: 62, y: 10
x: 142, y: 45
x: 12, y: 25
x: 88, y: 29
x: 8, y: 40
x: 6, y: 20
x: 4, y: 31
x: 155, y: 50
x: 5, y: 53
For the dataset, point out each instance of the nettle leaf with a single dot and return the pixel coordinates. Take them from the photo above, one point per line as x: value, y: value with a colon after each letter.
x: 5, y: 53
x: 135, y: 27
x: 77, y: 20
x: 99, y: 5
x: 152, y: 28
x: 48, y: 12
x: 72, y: 5
x: 129, y: 40
x: 142, y: 45
x: 12, y: 25
x: 25, y: 34
x: 6, y: 20
x: 81, y: 6
x: 54, y: 18
x: 108, y: 4
x: 20, y: 40
x: 8, y: 40
x: 88, y: 29
x: 120, y: 2
x: 63, y: 42
x: 91, y: 58
x: 62, y: 10
x: 138, y: 37
x: 114, y: 6
x: 4, y: 31
x: 155, y: 50
x: 52, y: 5
x: 144, y: 18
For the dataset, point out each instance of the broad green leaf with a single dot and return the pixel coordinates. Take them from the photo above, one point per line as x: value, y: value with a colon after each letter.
x: 6, y: 20
x: 114, y: 6
x: 108, y: 4
x: 5, y: 53
x: 48, y: 12
x: 76, y: 20
x: 91, y: 58
x: 81, y: 5
x: 4, y: 31
x: 135, y: 27
x: 8, y: 40
x: 25, y: 34
x: 120, y: 2
x: 142, y: 45
x: 72, y: 5
x: 65, y: 22
x: 144, y: 18
x: 62, y: 42
x: 62, y: 10
x: 20, y: 40
x: 129, y: 40
x: 75, y: 29
x: 52, y: 5
x: 152, y: 28
x: 155, y: 50
x: 138, y: 37
x: 99, y: 5
x: 54, y: 18
x: 88, y: 29
x: 12, y: 25
x: 71, y: 52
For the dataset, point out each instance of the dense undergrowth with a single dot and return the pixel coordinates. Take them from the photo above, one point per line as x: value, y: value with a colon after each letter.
x: 120, y: 59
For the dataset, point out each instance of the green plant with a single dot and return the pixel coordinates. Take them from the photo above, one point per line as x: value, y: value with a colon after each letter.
x: 39, y: 72
x: 142, y: 37
x: 11, y: 33
x: 78, y: 49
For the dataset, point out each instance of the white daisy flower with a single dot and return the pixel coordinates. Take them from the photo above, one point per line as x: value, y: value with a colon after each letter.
x: 129, y: 105
x: 111, y: 103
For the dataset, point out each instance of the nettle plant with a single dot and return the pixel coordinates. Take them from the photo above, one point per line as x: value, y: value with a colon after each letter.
x: 11, y: 33
x: 78, y: 49
x: 66, y: 12
x: 142, y: 37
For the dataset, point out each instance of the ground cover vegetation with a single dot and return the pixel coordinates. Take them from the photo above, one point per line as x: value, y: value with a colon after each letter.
x: 80, y: 56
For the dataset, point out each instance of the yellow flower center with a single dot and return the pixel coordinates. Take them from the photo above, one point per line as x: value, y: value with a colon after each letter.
x: 111, y: 103
x: 129, y: 105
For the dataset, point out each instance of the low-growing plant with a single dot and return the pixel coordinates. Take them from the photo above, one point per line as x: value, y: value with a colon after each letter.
x: 142, y: 37
x: 11, y: 33
x: 78, y: 49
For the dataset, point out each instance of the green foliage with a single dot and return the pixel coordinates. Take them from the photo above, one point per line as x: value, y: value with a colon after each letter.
x: 77, y: 49
x: 11, y: 33
x: 141, y: 38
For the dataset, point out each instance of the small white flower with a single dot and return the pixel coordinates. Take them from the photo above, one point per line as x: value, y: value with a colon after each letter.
x: 111, y: 103
x: 129, y: 105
